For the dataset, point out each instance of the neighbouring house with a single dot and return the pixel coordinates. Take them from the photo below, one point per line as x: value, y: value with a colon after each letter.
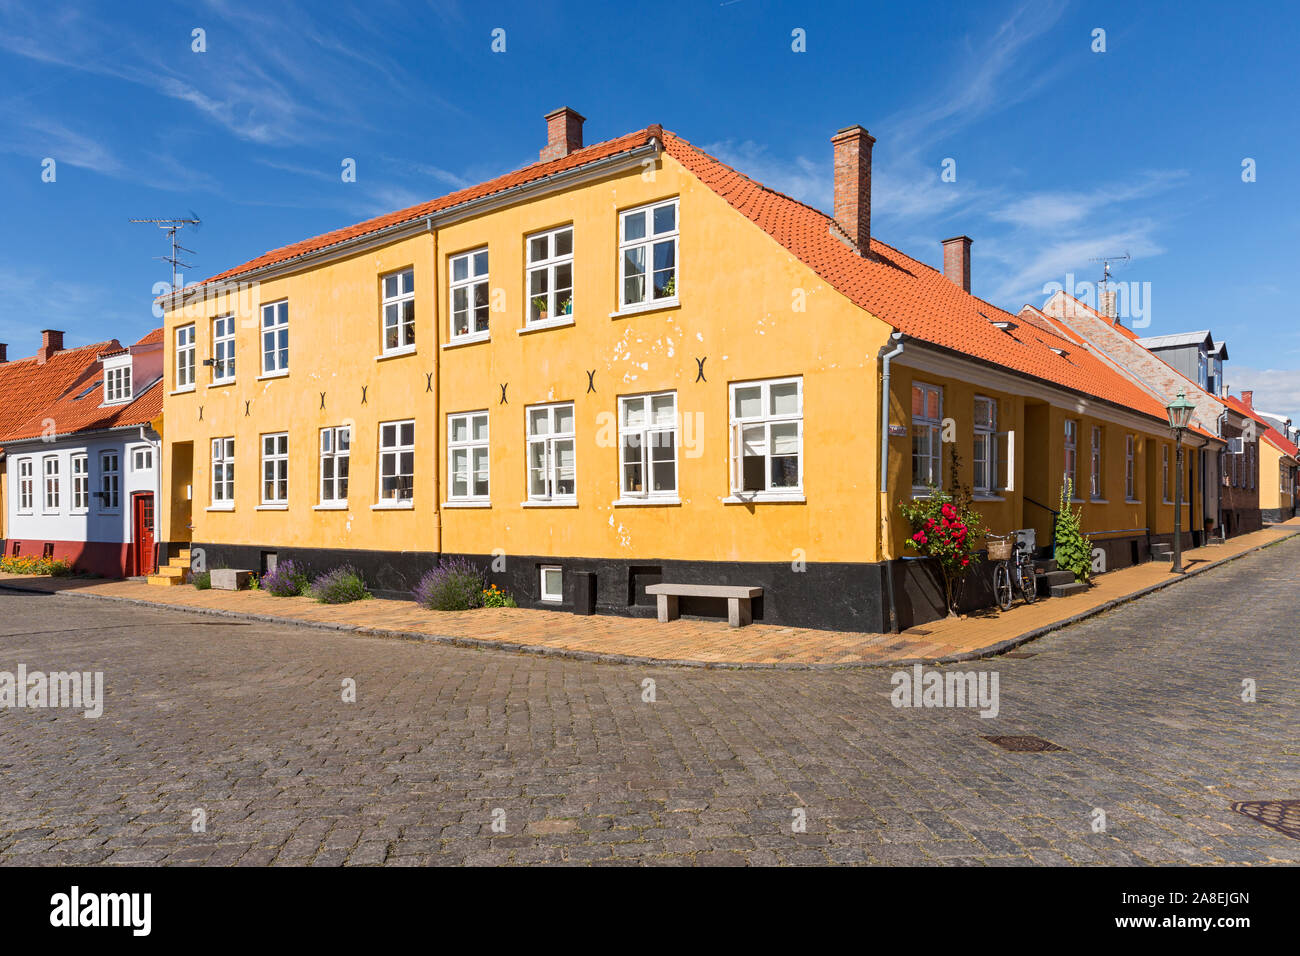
x: 630, y: 360
x: 80, y: 436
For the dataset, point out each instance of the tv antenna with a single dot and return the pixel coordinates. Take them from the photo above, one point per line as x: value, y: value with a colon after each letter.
x: 1104, y: 295
x: 173, y: 226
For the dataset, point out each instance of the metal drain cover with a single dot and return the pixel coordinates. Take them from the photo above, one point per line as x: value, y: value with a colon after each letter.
x: 1281, y: 815
x: 1025, y: 744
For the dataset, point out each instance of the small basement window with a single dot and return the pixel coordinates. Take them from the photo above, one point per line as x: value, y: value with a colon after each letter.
x: 552, y: 584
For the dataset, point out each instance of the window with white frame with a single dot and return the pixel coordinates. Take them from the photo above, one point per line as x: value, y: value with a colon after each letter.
x: 26, y: 485
x: 1165, y: 496
x: 1130, y: 487
x: 552, y: 584
x: 117, y: 384
x: 185, y: 356
x: 647, y: 442
x: 470, y: 296
x: 550, y: 276
x: 468, y: 456
x: 275, y: 469
x: 51, y: 472
x: 399, y: 310
x: 985, y: 451
x: 552, y: 453
x: 110, y: 481
x: 80, y: 483
x: 927, y: 436
x: 647, y: 254
x: 141, y: 459
x: 275, y: 337
x: 1070, y: 472
x: 335, y: 459
x: 397, y: 462
x: 767, y: 437
x: 1094, y: 464
x: 223, y: 348
x: 223, y: 471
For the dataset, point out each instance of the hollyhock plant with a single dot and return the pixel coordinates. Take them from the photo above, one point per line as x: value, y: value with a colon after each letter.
x: 945, y: 528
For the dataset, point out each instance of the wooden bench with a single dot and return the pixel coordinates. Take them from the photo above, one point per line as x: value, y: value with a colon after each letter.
x: 739, y: 607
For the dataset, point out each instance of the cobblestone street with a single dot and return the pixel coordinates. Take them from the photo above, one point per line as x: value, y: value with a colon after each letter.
x: 246, y: 722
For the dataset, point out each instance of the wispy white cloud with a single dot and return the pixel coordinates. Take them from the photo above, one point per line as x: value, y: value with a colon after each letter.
x: 1276, y: 390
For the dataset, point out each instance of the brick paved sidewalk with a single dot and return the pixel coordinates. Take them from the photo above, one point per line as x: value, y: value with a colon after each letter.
x: 682, y: 641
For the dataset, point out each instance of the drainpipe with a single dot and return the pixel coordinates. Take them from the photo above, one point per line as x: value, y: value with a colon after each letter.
x: 1222, y: 426
x: 438, y: 437
x: 885, y: 359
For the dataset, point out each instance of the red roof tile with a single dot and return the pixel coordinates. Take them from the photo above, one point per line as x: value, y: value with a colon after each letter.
x: 1281, y: 442
x: 1241, y: 408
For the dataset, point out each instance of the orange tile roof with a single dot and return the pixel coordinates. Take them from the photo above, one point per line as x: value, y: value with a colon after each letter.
x: 1241, y: 408
x: 27, y: 387
x: 1281, y: 442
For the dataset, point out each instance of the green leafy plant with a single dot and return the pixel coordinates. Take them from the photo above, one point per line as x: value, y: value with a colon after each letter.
x: 340, y: 586
x: 1073, y: 549
x: 456, y: 584
x: 539, y: 303
x: 30, y: 564
x: 945, y: 527
x: 493, y: 596
x: 202, y: 580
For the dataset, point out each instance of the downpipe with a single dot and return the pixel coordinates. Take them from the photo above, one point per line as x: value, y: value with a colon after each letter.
x: 885, y: 359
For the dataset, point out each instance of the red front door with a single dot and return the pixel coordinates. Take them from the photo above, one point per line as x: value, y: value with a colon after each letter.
x: 142, y: 506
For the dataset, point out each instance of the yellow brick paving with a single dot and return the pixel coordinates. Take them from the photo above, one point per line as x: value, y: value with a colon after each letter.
x: 705, y: 642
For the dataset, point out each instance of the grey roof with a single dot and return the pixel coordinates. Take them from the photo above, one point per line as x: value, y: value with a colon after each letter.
x: 1220, y: 349
x: 1176, y: 339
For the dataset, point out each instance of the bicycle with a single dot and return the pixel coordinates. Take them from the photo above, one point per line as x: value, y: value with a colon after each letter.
x: 1013, y: 564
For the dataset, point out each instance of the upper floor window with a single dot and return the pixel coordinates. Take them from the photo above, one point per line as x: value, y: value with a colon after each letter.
x: 1070, y: 472
x: 1094, y: 464
x: 117, y: 384
x: 335, y: 459
x: 185, y: 356
x: 141, y: 459
x: 80, y: 483
x: 26, y: 483
x: 985, y: 457
x: 469, y: 295
x: 1130, y: 487
x: 223, y: 471
x: 223, y: 348
x: 647, y: 441
x: 110, y: 477
x: 647, y: 254
x: 397, y: 462
x: 275, y: 337
x: 767, y: 436
x: 467, y: 456
x: 51, y: 467
x: 927, y: 436
x: 550, y: 276
x: 399, y: 310
x: 552, y: 453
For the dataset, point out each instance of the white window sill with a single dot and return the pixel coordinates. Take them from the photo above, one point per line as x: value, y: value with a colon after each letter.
x: 394, y: 506
x: 186, y: 390
x: 985, y: 496
x: 221, y: 384
x: 765, y: 497
x: 653, y: 306
x: 1132, y: 501
x: 561, y: 503
x: 469, y: 503
x: 648, y: 500
x: 114, y: 404
x: 1098, y: 501
x: 548, y: 324
x: 331, y: 506
x: 272, y: 507
x: 270, y: 375
x: 396, y: 353
x: 79, y: 511
x: 468, y: 340
x: 229, y: 507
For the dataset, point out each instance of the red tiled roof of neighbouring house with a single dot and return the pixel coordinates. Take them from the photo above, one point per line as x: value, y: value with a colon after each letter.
x: 1281, y: 442
x: 1241, y: 408
x: 152, y: 338
x: 27, y: 387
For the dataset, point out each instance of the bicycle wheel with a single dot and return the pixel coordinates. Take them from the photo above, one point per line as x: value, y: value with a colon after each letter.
x: 1002, y: 586
x: 1029, y: 583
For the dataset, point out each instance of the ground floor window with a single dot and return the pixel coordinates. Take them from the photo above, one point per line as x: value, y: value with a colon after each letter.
x: 927, y: 436
x: 335, y: 457
x: 767, y: 436
x: 468, y: 456
x: 275, y: 469
x: 647, y: 442
x: 552, y: 453
x: 552, y: 584
x: 26, y: 485
x: 397, y: 461
x: 80, y: 482
x: 223, y: 470
x: 110, y: 478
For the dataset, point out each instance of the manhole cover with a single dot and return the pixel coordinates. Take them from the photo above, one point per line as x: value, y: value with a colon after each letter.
x: 1281, y: 815
x: 1027, y: 744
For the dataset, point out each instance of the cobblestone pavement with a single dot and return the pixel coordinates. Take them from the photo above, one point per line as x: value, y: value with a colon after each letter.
x: 246, y: 722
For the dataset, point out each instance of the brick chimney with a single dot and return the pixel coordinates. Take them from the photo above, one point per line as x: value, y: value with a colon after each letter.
x: 4, y: 352
x: 1248, y: 399
x: 51, y: 342
x: 956, y: 261
x: 563, y: 133
x: 853, y: 184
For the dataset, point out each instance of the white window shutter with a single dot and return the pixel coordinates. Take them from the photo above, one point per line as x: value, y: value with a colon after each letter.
x: 1005, y: 446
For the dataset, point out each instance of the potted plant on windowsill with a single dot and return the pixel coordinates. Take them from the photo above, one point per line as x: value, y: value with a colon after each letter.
x: 539, y: 307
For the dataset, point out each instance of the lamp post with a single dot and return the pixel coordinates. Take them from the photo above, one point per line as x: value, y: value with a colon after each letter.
x: 1180, y: 416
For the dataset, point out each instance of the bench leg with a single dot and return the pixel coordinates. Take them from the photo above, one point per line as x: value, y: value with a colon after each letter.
x: 667, y: 604
x: 740, y: 611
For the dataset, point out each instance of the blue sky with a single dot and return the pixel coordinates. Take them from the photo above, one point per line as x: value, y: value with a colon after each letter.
x: 1062, y: 154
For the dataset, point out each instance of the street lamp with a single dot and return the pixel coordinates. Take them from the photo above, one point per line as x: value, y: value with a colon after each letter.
x: 1180, y: 416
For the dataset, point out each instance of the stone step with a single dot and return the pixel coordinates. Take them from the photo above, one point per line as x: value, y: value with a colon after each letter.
x: 184, y: 554
x: 1046, y: 566
x: 1064, y: 590
x: 170, y: 571
x: 179, y: 563
x: 1054, y: 579
x: 163, y: 581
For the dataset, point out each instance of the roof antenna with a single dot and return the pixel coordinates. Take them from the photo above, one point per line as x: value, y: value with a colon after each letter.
x: 172, y: 226
x: 1106, y: 298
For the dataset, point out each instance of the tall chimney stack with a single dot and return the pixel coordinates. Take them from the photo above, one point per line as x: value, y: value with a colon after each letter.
x: 4, y: 352
x: 51, y: 342
x: 563, y: 133
x: 853, y: 184
x: 1248, y: 399
x: 956, y: 261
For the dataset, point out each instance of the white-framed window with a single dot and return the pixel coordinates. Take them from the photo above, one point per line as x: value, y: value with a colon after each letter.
x: 470, y: 296
x: 399, y: 310
x: 185, y: 356
x: 1130, y: 487
x: 275, y: 468
x: 80, y: 483
x: 335, y: 459
x: 927, y: 436
x: 468, y: 457
x: 117, y: 384
x: 26, y: 486
x: 985, y: 452
x: 647, y: 254
x: 223, y: 471
x: 647, y: 443
x: 141, y: 459
x: 552, y: 453
x: 1165, y: 496
x: 550, y: 276
x: 397, y: 462
x: 1070, y: 472
x: 223, y: 348
x: 767, y: 437
x: 275, y: 337
x: 1094, y: 464
x: 110, y: 481
x: 50, y: 469
x: 552, y: 584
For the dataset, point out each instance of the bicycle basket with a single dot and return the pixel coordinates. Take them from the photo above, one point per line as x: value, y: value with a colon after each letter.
x: 999, y: 549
